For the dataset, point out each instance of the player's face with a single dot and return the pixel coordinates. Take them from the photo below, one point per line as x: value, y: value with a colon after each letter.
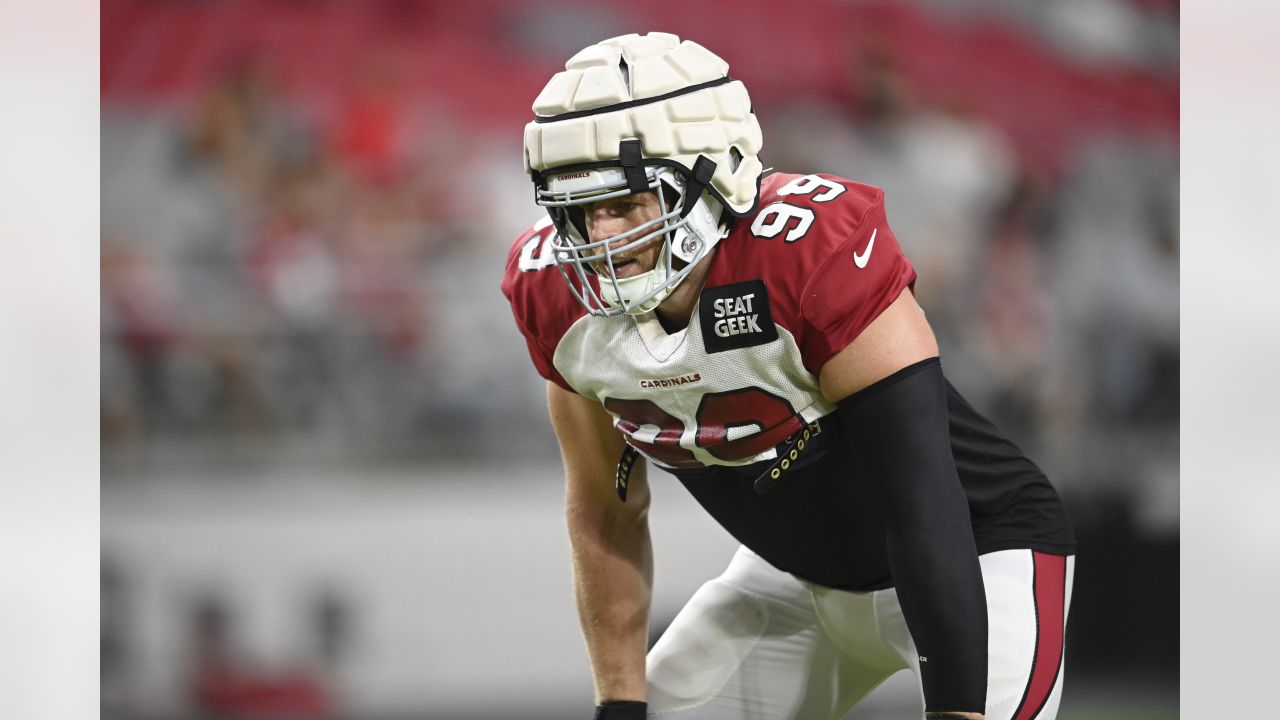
x: 608, y: 218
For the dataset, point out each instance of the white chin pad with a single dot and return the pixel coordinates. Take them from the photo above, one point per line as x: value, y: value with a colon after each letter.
x: 636, y: 287
x: 630, y: 288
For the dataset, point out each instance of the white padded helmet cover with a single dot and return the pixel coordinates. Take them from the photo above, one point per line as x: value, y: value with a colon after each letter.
x: 634, y: 67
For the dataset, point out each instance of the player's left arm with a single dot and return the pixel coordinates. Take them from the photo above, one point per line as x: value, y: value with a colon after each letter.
x: 891, y: 396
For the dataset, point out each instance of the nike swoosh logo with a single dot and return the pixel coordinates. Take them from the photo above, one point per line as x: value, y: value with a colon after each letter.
x: 861, y: 260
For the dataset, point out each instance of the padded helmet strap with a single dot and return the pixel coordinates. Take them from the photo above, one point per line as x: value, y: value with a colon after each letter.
x: 703, y: 169
x: 629, y: 156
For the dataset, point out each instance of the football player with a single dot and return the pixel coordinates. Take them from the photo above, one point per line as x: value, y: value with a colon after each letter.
x: 757, y: 336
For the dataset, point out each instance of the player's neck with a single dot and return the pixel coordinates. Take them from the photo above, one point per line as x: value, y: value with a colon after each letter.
x: 677, y: 310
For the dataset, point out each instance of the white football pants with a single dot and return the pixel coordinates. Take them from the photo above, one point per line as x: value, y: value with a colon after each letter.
x: 756, y: 643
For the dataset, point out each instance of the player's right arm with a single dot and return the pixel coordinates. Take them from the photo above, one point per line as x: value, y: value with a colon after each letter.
x: 612, y: 555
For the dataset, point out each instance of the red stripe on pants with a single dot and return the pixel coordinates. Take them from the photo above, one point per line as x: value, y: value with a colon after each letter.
x: 1050, y: 583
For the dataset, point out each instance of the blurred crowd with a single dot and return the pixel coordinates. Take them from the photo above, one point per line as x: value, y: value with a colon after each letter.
x: 285, y: 280
x: 269, y: 282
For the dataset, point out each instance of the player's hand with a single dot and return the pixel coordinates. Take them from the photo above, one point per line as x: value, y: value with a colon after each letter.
x: 621, y: 710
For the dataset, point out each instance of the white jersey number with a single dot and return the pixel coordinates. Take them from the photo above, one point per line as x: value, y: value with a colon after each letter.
x: 536, y: 253
x: 778, y: 216
x: 807, y: 184
x: 774, y: 219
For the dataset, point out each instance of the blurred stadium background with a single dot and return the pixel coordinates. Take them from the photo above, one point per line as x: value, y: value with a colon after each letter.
x: 329, y: 489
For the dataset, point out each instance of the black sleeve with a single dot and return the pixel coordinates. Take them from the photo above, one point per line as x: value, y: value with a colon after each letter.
x: 898, y: 437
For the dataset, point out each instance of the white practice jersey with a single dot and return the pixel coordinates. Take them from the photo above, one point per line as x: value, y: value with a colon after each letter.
x: 790, y: 286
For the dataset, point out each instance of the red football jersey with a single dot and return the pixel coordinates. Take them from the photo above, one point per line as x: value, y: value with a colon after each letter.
x: 789, y: 287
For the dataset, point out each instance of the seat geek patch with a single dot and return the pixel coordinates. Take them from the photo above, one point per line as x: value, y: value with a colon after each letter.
x: 736, y: 316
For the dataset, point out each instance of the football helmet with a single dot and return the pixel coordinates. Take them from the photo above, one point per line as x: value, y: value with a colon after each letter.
x: 632, y: 114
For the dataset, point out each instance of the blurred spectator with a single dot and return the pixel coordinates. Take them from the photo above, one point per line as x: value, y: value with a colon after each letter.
x: 113, y: 645
x: 234, y: 127
x: 1014, y: 320
x: 369, y: 136
x: 139, y: 328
